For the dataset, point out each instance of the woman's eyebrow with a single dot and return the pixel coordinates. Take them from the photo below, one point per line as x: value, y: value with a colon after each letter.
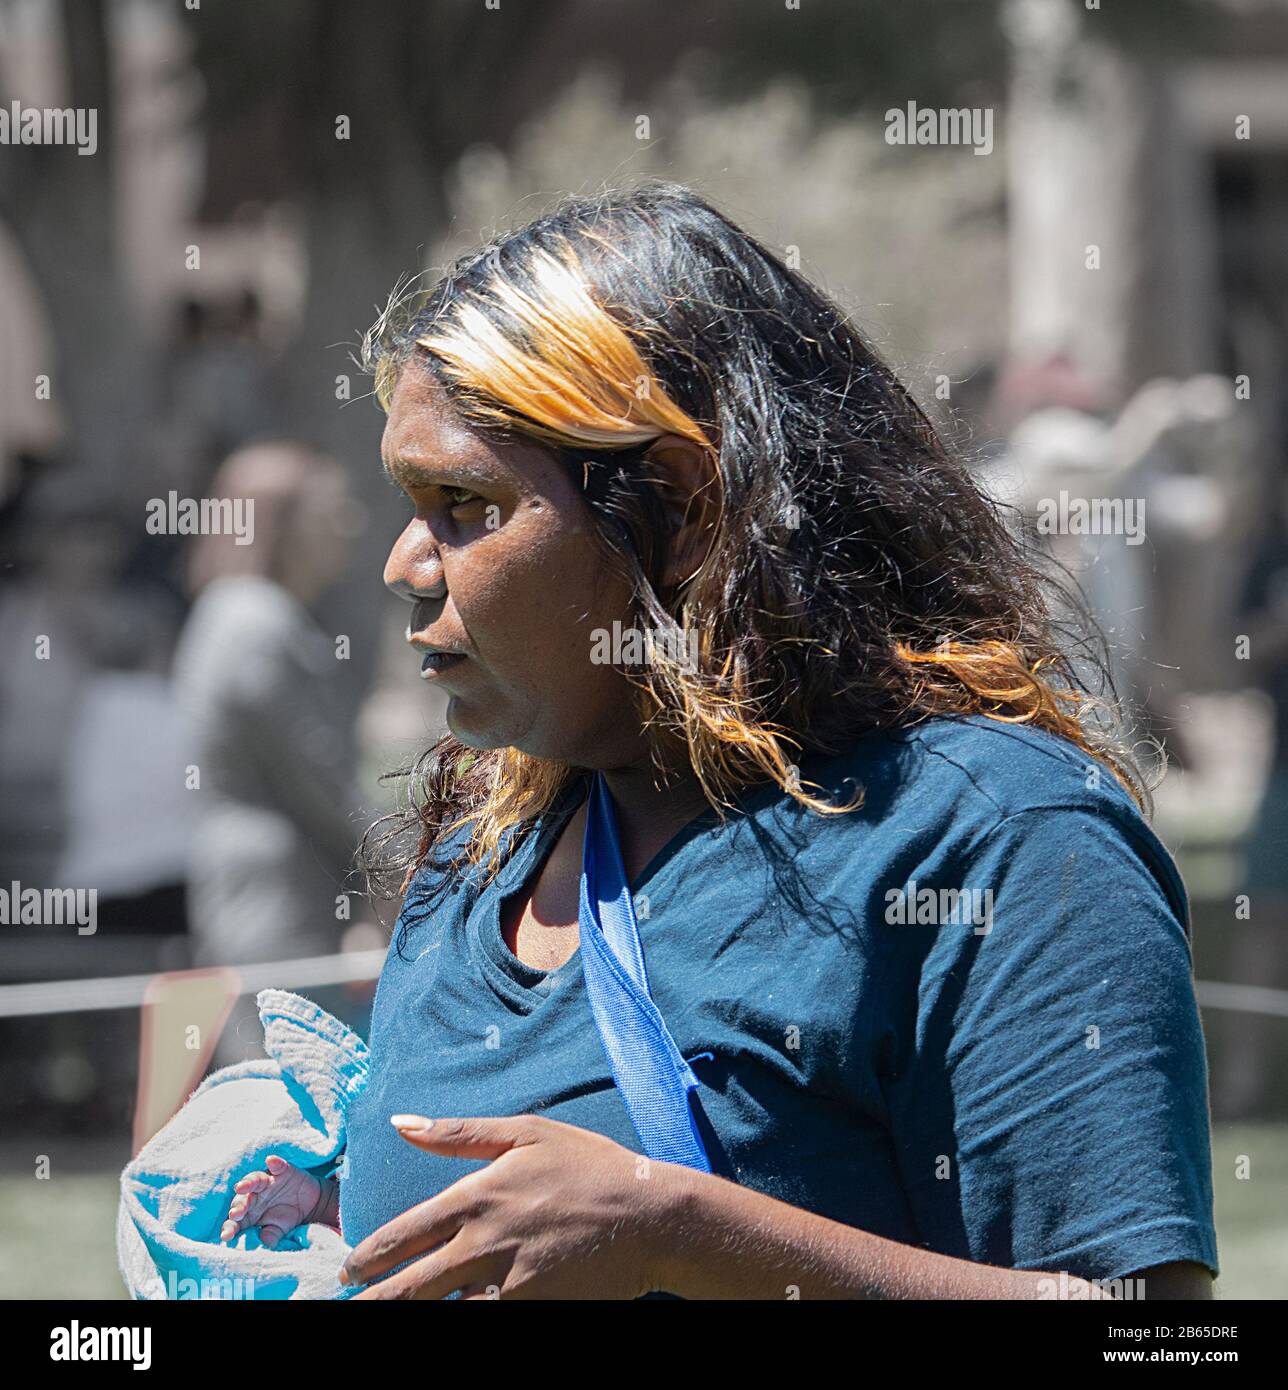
x: 420, y: 473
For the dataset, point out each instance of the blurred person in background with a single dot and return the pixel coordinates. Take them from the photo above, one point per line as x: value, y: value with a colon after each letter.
x: 128, y: 817
x: 1260, y: 953
x: 218, y: 388
x: 257, y: 678
x: 89, y: 797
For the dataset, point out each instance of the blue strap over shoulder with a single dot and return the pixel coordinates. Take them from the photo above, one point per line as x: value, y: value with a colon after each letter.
x: 652, y: 1076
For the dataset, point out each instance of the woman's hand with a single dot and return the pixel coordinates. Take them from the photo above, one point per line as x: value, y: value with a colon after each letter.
x: 277, y: 1201
x: 562, y: 1212
x: 559, y: 1212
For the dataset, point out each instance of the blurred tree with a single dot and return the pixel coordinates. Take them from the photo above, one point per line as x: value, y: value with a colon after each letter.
x: 420, y: 81
x: 411, y: 85
x: 61, y: 210
x: 356, y: 116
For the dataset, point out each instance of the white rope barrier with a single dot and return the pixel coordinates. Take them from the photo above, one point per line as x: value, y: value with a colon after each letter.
x: 127, y: 991
x: 1242, y: 999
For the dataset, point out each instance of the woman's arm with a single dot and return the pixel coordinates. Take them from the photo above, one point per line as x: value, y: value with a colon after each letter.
x: 562, y: 1212
x: 724, y: 1241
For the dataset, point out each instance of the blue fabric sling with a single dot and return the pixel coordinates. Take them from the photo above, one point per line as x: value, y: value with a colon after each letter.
x: 652, y: 1076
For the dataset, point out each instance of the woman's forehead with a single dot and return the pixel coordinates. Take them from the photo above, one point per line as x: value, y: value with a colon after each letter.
x: 421, y: 414
x: 425, y: 437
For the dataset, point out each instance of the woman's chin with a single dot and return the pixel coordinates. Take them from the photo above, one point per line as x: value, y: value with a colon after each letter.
x: 473, y: 734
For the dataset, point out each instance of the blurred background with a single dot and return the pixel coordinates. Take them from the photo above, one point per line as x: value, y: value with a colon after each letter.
x: 1094, y: 307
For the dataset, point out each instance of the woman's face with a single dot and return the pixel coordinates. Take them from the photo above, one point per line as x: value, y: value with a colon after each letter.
x: 499, y: 564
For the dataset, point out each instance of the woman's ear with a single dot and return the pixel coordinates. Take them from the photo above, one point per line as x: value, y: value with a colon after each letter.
x: 686, y: 479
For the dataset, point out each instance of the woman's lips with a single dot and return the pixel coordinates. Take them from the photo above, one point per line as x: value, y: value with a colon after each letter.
x: 434, y: 663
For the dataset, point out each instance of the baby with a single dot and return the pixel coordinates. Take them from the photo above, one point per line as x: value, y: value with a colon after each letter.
x: 279, y: 1200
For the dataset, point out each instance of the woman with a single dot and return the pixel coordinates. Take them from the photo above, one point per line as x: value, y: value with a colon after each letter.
x: 676, y: 524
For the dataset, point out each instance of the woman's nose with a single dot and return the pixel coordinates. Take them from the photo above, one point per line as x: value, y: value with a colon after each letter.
x: 414, y: 570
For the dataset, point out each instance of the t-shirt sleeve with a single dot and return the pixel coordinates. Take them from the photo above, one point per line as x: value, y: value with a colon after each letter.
x: 1047, y: 1086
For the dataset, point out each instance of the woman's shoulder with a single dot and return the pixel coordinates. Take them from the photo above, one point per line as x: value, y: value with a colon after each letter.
x: 245, y: 599
x: 979, y: 769
x: 970, y: 788
x: 247, y: 636
x: 960, y: 779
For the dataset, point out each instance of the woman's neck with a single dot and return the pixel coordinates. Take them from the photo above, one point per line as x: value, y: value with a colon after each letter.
x: 648, y: 814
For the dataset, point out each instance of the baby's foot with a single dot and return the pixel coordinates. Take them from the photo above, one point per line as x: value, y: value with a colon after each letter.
x: 274, y: 1202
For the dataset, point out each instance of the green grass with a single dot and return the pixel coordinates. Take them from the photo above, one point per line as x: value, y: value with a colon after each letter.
x: 59, y: 1235
x: 1252, y: 1212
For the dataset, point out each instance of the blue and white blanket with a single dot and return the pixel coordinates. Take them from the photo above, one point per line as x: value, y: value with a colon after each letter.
x: 176, y: 1191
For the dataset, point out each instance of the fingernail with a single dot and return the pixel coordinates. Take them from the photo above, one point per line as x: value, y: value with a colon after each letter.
x: 414, y: 1124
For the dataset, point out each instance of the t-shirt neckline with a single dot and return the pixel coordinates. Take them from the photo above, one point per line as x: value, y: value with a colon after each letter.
x: 521, y: 985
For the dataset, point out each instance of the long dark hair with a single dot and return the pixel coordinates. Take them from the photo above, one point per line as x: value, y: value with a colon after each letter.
x: 858, y: 579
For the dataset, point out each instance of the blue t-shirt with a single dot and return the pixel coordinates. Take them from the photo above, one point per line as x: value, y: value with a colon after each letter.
x: 961, y: 1017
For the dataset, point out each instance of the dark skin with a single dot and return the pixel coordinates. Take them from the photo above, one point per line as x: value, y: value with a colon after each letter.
x: 547, y: 699
x: 560, y: 1212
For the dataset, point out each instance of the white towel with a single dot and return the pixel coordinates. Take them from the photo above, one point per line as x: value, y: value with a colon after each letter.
x: 176, y: 1191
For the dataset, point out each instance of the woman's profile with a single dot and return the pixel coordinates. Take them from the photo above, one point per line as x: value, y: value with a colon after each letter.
x: 679, y: 539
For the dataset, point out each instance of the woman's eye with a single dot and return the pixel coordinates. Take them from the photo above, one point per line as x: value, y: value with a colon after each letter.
x: 459, y: 496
